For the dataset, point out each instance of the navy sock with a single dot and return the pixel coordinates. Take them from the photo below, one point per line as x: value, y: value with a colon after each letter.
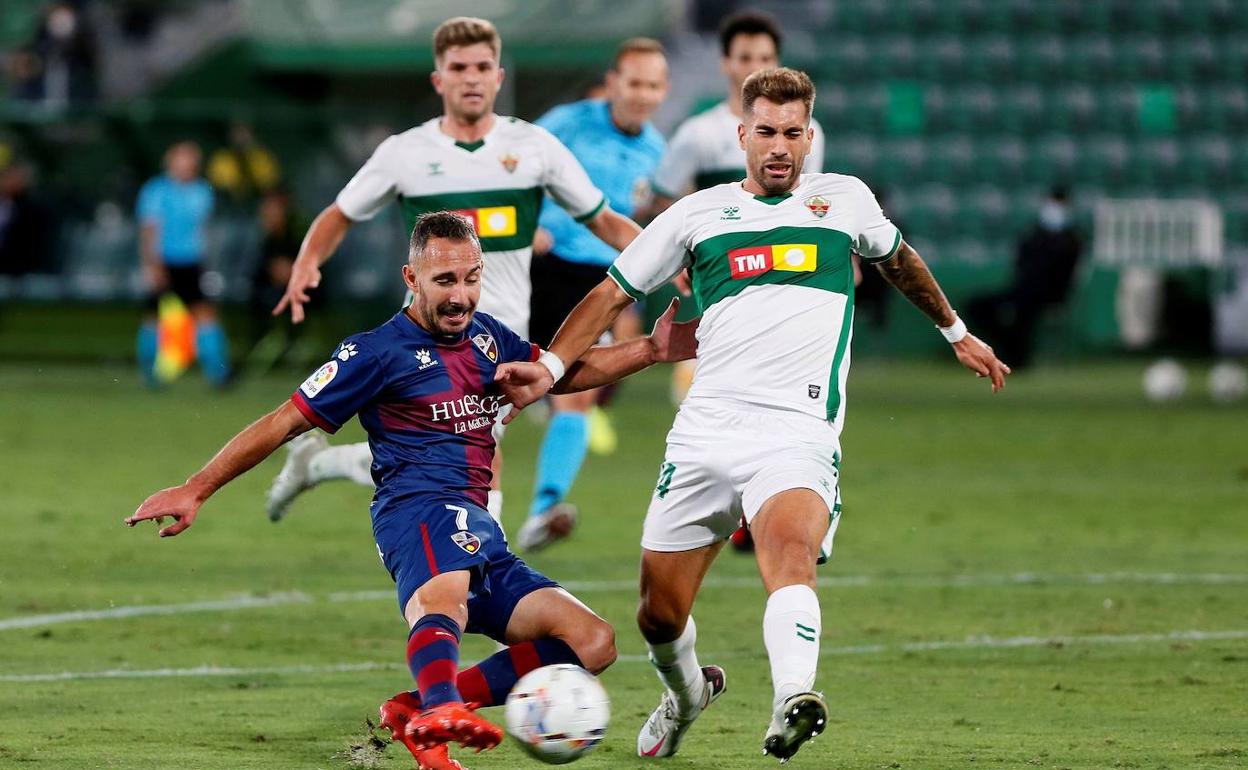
x: 433, y: 657
x: 488, y: 682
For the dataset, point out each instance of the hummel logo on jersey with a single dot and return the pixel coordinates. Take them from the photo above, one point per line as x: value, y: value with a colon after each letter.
x: 756, y: 260
x: 485, y: 343
x: 345, y: 351
x: 426, y: 360
x: 435, y: 168
x: 818, y: 205
x: 731, y: 212
x: 509, y: 162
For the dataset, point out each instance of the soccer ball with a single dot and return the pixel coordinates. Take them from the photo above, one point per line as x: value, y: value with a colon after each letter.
x: 1228, y: 381
x: 1165, y: 380
x: 557, y: 713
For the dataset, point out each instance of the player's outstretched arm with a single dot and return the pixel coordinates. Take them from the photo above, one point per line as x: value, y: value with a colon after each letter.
x: 604, y: 364
x: 322, y: 240
x: 909, y: 274
x: 256, y: 442
x: 585, y: 324
x: 613, y: 229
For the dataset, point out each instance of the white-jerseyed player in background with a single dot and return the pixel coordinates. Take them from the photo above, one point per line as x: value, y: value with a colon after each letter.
x: 759, y: 434
x: 704, y: 151
x: 493, y: 169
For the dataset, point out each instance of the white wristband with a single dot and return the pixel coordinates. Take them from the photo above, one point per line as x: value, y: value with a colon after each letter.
x: 955, y: 332
x: 553, y: 364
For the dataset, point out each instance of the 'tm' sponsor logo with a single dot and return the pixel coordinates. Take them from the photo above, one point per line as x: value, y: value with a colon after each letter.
x: 756, y: 260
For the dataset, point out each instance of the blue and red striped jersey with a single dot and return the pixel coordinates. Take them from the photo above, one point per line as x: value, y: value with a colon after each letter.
x: 428, y: 405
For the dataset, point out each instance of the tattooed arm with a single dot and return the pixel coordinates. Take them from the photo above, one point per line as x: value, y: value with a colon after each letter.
x: 908, y: 273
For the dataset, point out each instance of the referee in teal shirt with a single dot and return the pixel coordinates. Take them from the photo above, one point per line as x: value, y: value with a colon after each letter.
x: 173, y: 210
x: 619, y: 148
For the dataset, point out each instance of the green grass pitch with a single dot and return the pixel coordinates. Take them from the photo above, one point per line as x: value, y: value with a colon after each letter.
x: 1053, y: 577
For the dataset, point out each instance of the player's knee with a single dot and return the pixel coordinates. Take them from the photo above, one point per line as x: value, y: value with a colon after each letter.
x: 595, y: 645
x: 658, y: 620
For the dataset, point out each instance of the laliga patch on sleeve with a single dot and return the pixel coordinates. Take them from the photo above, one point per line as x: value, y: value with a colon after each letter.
x: 319, y: 379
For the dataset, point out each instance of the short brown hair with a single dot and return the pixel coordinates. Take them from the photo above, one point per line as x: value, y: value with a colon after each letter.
x: 636, y: 45
x: 465, y: 30
x: 779, y: 85
x: 440, y: 224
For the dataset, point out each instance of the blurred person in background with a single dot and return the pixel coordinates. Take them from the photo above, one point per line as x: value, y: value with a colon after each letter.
x: 245, y: 170
x: 704, y: 151
x: 1044, y: 269
x: 25, y: 224
x: 281, y: 230
x: 620, y: 149
x: 173, y: 211
x: 489, y: 168
x: 63, y: 51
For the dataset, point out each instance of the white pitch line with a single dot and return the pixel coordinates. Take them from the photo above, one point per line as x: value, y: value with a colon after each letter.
x: 596, y: 586
x: 163, y: 673
x: 237, y: 603
x: 972, y: 643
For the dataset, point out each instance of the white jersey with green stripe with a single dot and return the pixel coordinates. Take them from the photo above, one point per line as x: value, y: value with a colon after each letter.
x: 775, y: 282
x: 705, y: 151
x: 497, y: 182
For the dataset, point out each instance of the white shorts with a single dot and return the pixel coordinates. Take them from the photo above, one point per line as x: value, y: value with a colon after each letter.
x: 724, y: 462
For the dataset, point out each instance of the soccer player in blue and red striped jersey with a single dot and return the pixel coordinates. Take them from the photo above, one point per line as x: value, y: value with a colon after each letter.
x: 423, y: 387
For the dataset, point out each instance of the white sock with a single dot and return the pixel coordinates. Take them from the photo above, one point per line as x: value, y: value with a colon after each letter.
x: 348, y: 461
x: 677, y: 665
x: 791, y: 628
x: 494, y: 504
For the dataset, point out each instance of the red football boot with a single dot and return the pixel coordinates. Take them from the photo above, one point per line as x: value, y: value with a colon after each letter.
x: 395, y: 714
x: 452, y: 722
x: 742, y: 541
x: 437, y: 758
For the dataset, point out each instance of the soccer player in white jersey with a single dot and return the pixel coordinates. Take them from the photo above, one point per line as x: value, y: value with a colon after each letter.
x: 705, y: 152
x: 759, y: 434
x: 491, y: 168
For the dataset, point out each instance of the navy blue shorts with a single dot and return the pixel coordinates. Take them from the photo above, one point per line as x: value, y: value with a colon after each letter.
x: 423, y: 538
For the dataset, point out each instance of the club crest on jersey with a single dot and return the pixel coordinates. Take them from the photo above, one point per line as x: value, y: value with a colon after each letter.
x: 485, y: 343
x: 509, y: 162
x: 319, y: 379
x: 818, y: 205
x: 466, y: 540
x: 788, y: 257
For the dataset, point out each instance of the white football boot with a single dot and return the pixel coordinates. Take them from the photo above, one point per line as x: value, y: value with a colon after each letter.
x: 799, y: 718
x: 660, y: 735
x: 554, y: 523
x: 293, y: 479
